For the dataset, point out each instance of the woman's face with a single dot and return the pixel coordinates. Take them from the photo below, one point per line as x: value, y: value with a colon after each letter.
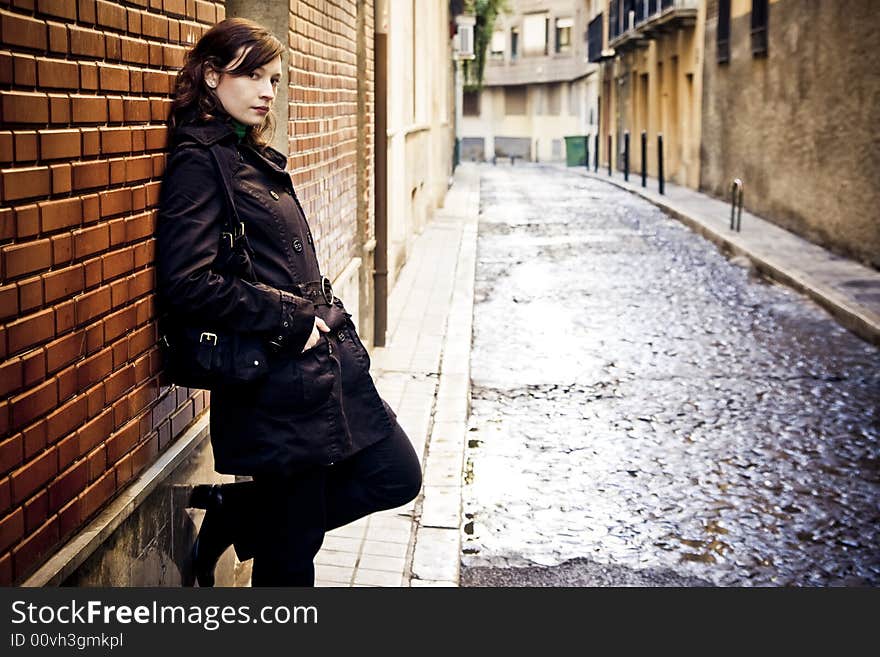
x: 246, y: 98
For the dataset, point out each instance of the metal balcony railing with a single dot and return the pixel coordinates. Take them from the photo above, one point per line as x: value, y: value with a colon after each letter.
x: 613, y: 19
x: 646, y: 8
x: 629, y: 15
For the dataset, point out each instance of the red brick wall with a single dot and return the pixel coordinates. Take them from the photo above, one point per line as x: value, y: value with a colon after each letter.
x: 84, y: 90
x: 324, y: 123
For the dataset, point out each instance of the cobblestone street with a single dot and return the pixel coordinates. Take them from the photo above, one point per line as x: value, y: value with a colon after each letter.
x: 643, y: 405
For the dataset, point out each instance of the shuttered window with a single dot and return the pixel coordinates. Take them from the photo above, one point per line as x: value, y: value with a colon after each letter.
x: 471, y: 103
x: 723, y: 32
x: 594, y: 39
x: 534, y: 34
x: 496, y: 46
x: 760, y: 14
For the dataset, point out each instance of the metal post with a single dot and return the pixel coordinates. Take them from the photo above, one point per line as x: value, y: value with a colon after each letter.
x: 380, y: 153
x: 596, y: 167
x: 626, y: 156
x: 660, y: 161
x: 609, y: 154
x: 587, y: 151
x: 644, y: 158
x: 736, y: 202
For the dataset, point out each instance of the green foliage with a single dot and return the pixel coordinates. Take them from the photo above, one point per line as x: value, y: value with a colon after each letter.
x: 485, y: 11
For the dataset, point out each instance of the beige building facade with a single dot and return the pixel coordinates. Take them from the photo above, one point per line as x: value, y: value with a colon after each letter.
x: 538, y: 86
x: 420, y: 118
x: 791, y: 106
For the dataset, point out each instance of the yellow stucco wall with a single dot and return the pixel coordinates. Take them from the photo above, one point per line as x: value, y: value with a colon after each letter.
x: 656, y: 87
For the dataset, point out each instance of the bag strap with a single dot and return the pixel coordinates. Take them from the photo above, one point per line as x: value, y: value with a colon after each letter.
x: 235, y: 234
x: 236, y: 224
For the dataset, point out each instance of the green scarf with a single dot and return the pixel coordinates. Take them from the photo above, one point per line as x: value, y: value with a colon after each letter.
x: 240, y: 129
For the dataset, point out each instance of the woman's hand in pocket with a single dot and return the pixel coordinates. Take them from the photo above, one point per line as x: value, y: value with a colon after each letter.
x: 319, y: 327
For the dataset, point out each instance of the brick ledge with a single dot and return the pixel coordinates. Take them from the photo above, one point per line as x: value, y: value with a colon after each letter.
x: 88, y: 539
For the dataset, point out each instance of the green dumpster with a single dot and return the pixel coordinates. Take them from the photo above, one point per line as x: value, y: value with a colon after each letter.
x: 576, y: 150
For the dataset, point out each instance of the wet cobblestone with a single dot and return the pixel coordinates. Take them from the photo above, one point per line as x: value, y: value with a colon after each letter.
x: 639, y: 400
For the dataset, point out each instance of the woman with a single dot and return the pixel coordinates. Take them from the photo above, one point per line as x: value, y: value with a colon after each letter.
x: 322, y: 447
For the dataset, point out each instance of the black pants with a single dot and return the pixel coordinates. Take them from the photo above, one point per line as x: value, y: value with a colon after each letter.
x: 280, y: 522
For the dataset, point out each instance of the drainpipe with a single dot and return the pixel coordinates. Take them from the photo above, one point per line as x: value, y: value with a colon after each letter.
x: 380, y: 262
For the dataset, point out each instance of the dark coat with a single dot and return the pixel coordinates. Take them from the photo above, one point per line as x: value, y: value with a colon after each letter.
x: 317, y: 407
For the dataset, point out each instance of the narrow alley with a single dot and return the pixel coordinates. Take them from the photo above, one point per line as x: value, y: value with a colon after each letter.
x: 646, y: 411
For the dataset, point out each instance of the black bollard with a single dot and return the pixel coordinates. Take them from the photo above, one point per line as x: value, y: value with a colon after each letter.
x: 626, y: 156
x: 596, y: 168
x: 644, y: 158
x: 609, y: 155
x: 736, y: 200
x: 660, y: 161
x: 587, y: 151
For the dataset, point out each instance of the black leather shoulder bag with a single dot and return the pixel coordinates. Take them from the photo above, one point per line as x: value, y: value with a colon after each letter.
x: 197, y: 355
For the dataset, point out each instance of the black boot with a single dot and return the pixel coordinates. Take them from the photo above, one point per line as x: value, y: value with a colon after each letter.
x: 214, y: 536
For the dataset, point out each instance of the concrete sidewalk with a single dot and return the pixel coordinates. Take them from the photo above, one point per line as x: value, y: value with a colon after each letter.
x: 848, y: 290
x: 424, y: 374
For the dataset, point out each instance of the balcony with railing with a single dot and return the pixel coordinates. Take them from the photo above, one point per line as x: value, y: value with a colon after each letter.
x: 632, y: 22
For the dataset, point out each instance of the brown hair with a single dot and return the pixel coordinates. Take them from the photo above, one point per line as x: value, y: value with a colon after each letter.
x: 194, y: 100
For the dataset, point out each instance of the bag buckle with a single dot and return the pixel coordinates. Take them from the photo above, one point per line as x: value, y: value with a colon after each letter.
x: 236, y: 234
x: 209, y: 337
x: 327, y: 290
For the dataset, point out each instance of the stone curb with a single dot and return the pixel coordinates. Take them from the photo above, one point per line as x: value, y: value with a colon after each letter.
x: 436, y: 557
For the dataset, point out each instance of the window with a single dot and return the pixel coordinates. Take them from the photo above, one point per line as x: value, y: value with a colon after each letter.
x: 722, y: 41
x: 554, y: 101
x: 594, y: 39
x: 496, y: 47
x: 514, y: 42
x: 563, y: 34
x: 515, y: 101
x: 471, y: 103
x: 759, y: 28
x: 534, y: 35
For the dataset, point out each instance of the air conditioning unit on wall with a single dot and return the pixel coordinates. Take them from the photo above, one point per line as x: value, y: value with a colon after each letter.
x: 463, y: 41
